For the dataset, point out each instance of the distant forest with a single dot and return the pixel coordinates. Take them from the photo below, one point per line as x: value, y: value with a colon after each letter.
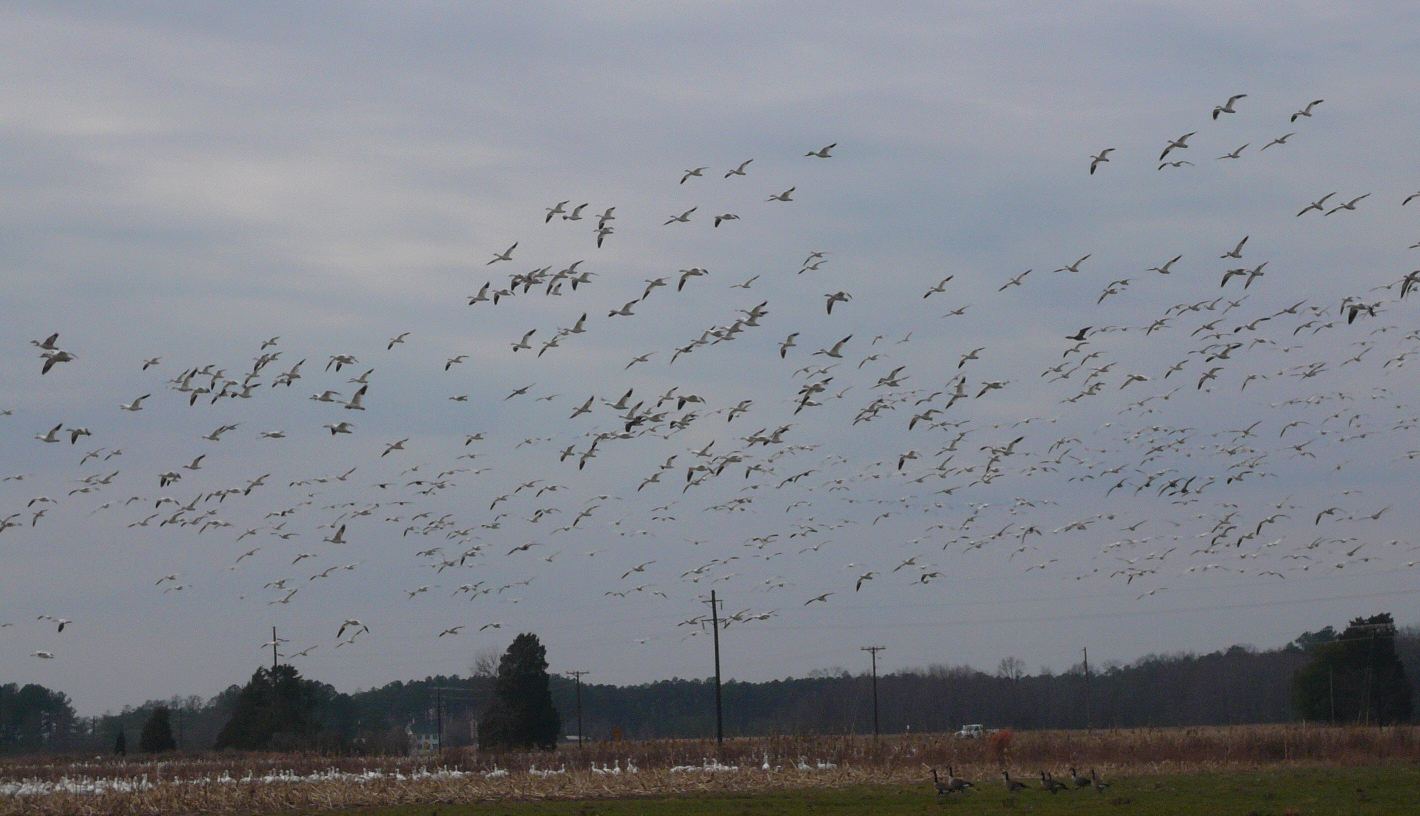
x: 1233, y: 686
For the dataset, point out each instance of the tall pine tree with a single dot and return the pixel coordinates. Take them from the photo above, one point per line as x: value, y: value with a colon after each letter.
x: 1355, y: 677
x: 521, y: 715
x: 276, y: 709
x: 157, y: 733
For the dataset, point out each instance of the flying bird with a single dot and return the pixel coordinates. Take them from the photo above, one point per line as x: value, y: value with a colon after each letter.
x: 1176, y: 144
x: 739, y: 171
x: 1096, y: 161
x: 1278, y: 141
x: 683, y: 218
x: 1315, y: 205
x: 1307, y: 111
x: 503, y: 256
x: 1227, y: 107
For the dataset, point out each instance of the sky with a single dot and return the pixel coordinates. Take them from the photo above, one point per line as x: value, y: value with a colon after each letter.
x: 938, y: 387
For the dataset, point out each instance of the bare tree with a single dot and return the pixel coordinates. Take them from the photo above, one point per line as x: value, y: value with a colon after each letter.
x: 1011, y: 668
x: 485, y: 662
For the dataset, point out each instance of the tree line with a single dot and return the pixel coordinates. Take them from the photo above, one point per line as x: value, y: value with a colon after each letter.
x: 1366, y: 673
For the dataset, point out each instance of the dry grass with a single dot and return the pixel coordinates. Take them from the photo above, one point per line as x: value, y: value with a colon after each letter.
x: 245, y: 784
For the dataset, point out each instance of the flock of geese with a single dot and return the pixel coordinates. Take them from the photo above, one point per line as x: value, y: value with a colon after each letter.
x: 1048, y: 782
x: 802, y: 431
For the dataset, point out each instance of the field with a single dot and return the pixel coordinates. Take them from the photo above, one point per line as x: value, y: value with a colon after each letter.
x: 1253, y: 769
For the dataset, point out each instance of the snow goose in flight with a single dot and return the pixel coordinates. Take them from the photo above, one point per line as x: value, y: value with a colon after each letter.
x: 836, y: 351
x: 696, y: 172
x: 136, y: 405
x: 1096, y: 161
x: 683, y: 218
x: 355, y: 401
x: 822, y: 153
x: 56, y: 356
x: 1227, y: 107
x: 557, y: 210
x: 1316, y: 205
x: 351, y: 623
x: 1235, y: 252
x: 784, y: 196
x: 1307, y: 111
x: 523, y: 343
x: 1277, y: 141
x: 1164, y: 270
x: 504, y: 256
x: 739, y: 171
x: 1180, y: 143
x: 939, y: 288
x: 1348, y: 205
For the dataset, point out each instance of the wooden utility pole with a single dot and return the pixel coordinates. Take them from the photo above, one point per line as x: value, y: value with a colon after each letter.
x: 581, y: 735
x: 873, y: 650
x: 274, y: 656
x: 715, y: 628
x: 1088, y: 729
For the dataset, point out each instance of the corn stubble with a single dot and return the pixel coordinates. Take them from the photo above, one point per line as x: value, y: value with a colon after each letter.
x: 268, y: 783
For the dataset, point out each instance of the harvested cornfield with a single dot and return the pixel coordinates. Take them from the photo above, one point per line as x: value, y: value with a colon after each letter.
x: 264, y: 783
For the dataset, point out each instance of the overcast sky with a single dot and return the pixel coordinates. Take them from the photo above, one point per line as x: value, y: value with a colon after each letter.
x: 1217, y: 459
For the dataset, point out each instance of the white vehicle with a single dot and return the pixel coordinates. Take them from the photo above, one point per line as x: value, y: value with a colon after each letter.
x: 974, y: 731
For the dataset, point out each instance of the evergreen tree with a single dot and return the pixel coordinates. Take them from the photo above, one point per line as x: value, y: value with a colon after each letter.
x: 1355, y: 676
x: 157, y: 734
x: 276, y: 709
x: 521, y: 714
x: 120, y: 745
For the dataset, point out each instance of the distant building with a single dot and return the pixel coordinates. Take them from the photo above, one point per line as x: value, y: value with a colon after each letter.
x: 421, y: 742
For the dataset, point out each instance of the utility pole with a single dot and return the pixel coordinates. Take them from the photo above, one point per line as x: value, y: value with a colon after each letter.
x: 1088, y: 729
x: 873, y: 650
x: 1331, y: 680
x: 577, y: 676
x: 454, y: 693
x: 715, y: 628
x: 274, y: 656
